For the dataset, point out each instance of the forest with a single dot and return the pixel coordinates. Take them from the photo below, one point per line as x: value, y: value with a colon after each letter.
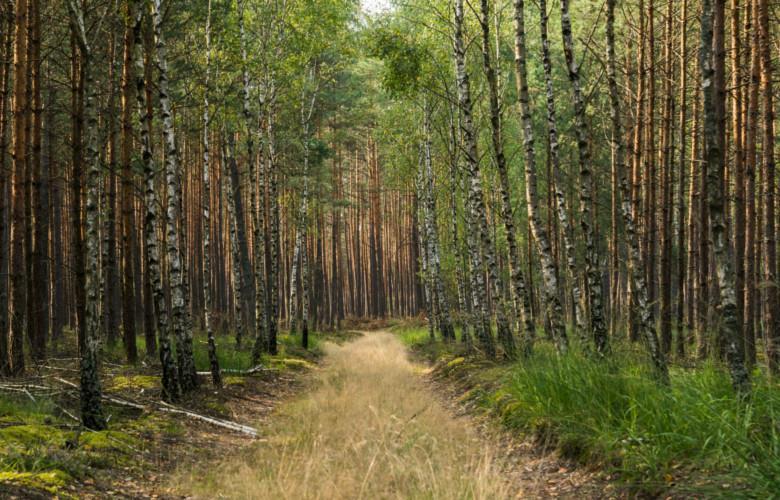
x: 389, y: 249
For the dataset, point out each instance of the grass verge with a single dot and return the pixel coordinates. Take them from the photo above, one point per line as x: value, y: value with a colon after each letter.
x: 694, y: 436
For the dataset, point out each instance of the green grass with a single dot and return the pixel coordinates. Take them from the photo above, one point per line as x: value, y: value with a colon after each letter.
x: 613, y: 413
x: 694, y: 435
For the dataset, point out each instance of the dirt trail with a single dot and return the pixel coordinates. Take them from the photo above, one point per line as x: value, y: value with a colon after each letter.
x: 369, y: 428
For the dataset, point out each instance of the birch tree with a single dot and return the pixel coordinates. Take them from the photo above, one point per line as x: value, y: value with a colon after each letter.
x: 558, y: 180
x: 432, y: 234
x: 592, y: 271
x: 479, y: 241
x: 187, y: 376
x: 213, y: 361
x: 549, y: 273
x: 170, y: 378
x: 635, y: 267
x: 92, y: 416
x: 730, y: 328
x: 507, y: 214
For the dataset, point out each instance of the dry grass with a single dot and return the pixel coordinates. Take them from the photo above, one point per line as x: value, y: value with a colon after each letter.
x: 369, y: 429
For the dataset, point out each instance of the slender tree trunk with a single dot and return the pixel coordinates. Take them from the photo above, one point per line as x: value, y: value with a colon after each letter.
x: 518, y: 288
x: 187, y: 376
x: 216, y: 377
x: 587, y: 219
x: 554, y: 309
x: 635, y: 268
x: 432, y: 233
x: 683, y: 277
x: 6, y: 40
x: 273, y: 242
x: 772, y: 295
x: 17, y: 275
x: 751, y: 138
x: 91, y: 406
x: 170, y: 380
x: 129, y: 239
x: 557, y: 176
x: 476, y: 219
x: 235, y: 246
x: 730, y: 329
x: 666, y: 178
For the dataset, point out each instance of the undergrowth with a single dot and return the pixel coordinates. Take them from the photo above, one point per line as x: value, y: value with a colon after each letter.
x: 693, y: 436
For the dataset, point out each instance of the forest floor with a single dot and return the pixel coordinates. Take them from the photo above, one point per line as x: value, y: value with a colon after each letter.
x: 43, y: 453
x: 375, y: 425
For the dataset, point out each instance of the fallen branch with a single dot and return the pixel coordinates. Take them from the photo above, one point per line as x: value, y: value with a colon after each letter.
x: 227, y: 424
x: 120, y: 402
x: 233, y: 371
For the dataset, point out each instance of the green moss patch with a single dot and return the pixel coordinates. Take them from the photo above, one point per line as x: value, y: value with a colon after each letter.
x: 30, y: 435
x: 50, y: 481
x: 292, y: 364
x: 106, y: 440
x: 134, y: 382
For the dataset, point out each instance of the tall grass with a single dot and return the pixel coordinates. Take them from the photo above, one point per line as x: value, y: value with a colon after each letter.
x: 695, y: 435
x: 613, y: 413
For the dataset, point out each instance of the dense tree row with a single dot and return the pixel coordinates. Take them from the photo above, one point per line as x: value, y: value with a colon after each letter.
x: 662, y: 151
x: 152, y: 190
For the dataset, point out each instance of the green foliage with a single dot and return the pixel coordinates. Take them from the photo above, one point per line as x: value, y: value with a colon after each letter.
x: 403, y: 61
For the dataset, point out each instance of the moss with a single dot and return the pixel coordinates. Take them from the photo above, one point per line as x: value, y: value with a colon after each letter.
x: 138, y: 382
x: 50, y: 481
x: 30, y: 435
x: 106, y: 440
x: 234, y: 380
x: 455, y: 362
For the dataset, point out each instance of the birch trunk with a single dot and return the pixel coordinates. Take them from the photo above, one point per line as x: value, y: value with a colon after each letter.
x: 558, y: 180
x: 442, y: 308
x: 424, y: 249
x: 456, y: 244
x: 730, y: 329
x: 170, y: 380
x: 206, y: 201
x: 273, y: 263
x: 597, y: 322
x: 238, y: 275
x: 475, y: 220
x: 636, y: 273
x: 549, y: 272
x: 91, y: 406
x: 519, y: 291
x: 187, y: 375
x: 257, y: 244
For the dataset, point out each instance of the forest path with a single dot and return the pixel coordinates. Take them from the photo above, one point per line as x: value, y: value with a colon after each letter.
x: 369, y: 428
